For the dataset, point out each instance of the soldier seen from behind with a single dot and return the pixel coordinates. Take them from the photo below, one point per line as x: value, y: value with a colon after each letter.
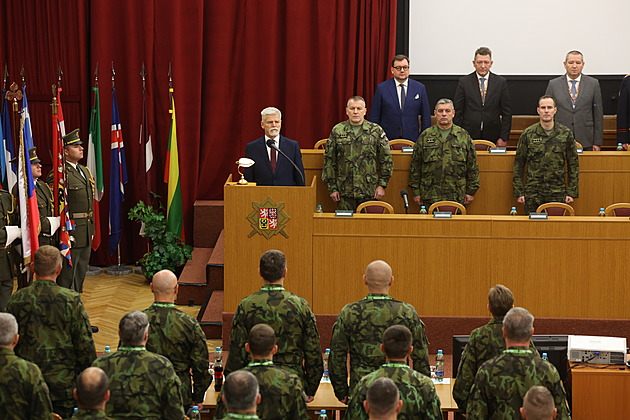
x: 92, y: 394
x: 240, y: 395
x: 382, y: 401
x: 359, y: 332
x: 538, y: 404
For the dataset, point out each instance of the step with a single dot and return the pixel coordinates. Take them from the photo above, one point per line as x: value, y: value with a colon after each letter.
x: 214, y: 269
x: 193, y: 282
x: 207, y: 222
x: 210, y: 315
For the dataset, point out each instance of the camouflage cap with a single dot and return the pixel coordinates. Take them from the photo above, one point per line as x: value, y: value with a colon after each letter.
x: 72, y: 138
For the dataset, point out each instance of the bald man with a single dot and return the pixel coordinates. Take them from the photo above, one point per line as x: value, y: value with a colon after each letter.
x: 91, y: 393
x: 359, y: 330
x: 178, y: 336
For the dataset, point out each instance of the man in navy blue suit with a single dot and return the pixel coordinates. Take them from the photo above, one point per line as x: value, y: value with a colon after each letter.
x: 271, y: 167
x: 400, y: 103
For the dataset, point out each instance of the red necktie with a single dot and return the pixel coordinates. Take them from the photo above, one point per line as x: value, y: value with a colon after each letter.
x: 273, y: 159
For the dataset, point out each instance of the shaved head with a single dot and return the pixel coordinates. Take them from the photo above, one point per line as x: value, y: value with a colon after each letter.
x: 377, y: 274
x: 163, y: 283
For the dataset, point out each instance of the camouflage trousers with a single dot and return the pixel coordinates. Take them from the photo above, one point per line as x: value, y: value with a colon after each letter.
x: 347, y: 203
x: 533, y: 201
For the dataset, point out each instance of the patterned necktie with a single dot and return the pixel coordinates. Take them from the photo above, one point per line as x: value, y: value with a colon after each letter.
x: 273, y: 158
x: 482, y: 80
x: 403, y: 96
x: 573, y: 91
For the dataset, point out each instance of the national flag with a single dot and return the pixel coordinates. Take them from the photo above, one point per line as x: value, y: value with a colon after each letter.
x: 60, y: 192
x: 9, y: 170
x: 117, y: 178
x: 29, y: 212
x: 146, y: 159
x: 95, y: 164
x: 28, y: 130
x: 174, y: 209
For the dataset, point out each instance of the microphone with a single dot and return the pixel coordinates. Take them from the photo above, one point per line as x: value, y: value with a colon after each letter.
x: 405, y: 195
x: 272, y: 144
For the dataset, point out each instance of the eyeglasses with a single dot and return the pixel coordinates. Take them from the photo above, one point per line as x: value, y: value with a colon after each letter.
x: 401, y: 68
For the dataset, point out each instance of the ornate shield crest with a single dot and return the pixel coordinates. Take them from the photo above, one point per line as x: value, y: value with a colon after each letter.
x: 268, y: 218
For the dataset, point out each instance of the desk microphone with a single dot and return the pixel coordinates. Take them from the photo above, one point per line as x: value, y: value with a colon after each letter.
x: 271, y: 143
x: 405, y: 195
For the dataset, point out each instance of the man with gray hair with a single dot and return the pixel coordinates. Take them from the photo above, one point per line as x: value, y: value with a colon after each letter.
x: 23, y: 392
x: 501, y: 382
x: 91, y: 393
x: 383, y: 400
x: 273, y: 166
x: 444, y: 161
x: 143, y: 384
x: 538, y: 404
x: 240, y: 395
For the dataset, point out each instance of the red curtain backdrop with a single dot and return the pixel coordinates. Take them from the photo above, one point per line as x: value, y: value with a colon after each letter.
x: 228, y: 61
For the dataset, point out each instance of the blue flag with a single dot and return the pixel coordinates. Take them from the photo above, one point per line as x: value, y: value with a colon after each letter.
x: 117, y: 178
x: 9, y: 170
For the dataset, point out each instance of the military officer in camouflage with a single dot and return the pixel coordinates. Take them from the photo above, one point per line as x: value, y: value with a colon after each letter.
x: 92, y: 393
x: 54, y: 330
x: 420, y: 401
x: 143, y: 385
x: 546, y: 148
x: 23, y: 391
x: 282, y: 395
x: 9, y: 231
x: 359, y: 331
x: 290, y: 317
x: 357, y: 161
x: 538, y: 404
x: 178, y: 336
x: 501, y: 382
x: 382, y: 401
x: 484, y: 343
x: 444, y: 161
x: 240, y: 395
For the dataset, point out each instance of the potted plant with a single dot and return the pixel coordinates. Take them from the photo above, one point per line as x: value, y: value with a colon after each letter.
x: 167, y: 250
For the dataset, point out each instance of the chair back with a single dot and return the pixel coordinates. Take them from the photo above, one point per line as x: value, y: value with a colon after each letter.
x: 375, y: 206
x: 321, y: 144
x: 450, y: 206
x: 483, y: 144
x: 397, y: 144
x: 56, y: 416
x: 618, y: 209
x: 556, y: 209
x: 578, y: 144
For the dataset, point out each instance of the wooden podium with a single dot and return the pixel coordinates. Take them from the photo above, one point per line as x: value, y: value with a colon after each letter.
x: 288, y: 229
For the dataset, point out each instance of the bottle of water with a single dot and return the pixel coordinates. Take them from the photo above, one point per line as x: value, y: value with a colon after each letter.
x: 544, y: 357
x: 218, y: 369
x: 602, y: 213
x: 326, y: 356
x: 439, y: 366
x: 423, y: 210
x: 74, y: 411
x: 322, y: 415
x: 513, y: 211
x: 194, y: 414
x: 319, y: 209
x: 107, y: 350
x: 619, y: 146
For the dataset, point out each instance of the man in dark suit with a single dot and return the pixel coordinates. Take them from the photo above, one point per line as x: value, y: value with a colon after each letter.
x: 579, y: 101
x: 482, y: 102
x: 623, y: 113
x: 271, y: 167
x: 400, y: 102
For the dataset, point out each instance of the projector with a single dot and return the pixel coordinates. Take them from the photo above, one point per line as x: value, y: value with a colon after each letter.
x: 597, y: 350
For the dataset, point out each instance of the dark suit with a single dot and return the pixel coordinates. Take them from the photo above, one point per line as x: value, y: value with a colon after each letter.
x: 623, y: 112
x: 586, y: 120
x: 401, y: 124
x: 285, y: 174
x: 495, y: 113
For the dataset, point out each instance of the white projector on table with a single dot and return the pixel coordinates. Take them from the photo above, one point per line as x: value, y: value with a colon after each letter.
x: 597, y: 350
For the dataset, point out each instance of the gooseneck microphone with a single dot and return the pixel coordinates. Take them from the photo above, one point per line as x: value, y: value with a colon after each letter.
x: 271, y: 143
x: 405, y: 195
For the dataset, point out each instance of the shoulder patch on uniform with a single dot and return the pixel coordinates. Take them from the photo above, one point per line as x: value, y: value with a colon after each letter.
x: 429, y: 140
x: 537, y: 140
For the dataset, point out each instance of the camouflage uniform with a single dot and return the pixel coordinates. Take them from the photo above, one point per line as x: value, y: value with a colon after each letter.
x: 23, y: 392
x: 143, y: 385
x: 443, y: 169
x: 546, y: 156
x: 178, y: 336
x: 485, y: 343
x: 84, y: 414
x: 354, y: 165
x: 241, y: 416
x: 55, y: 334
x: 420, y: 401
x: 359, y: 331
x: 7, y: 217
x: 281, y: 391
x: 501, y: 384
x: 294, y: 324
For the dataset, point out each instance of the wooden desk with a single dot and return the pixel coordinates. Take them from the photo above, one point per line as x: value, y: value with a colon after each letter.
x: 604, y: 180
x: 600, y: 393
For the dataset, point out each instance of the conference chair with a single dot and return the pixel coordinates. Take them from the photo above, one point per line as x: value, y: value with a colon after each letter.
x: 374, y: 206
x: 398, y: 144
x: 483, y: 144
x: 618, y: 209
x: 578, y: 144
x: 450, y: 206
x: 556, y: 209
x: 56, y: 416
x: 321, y: 144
